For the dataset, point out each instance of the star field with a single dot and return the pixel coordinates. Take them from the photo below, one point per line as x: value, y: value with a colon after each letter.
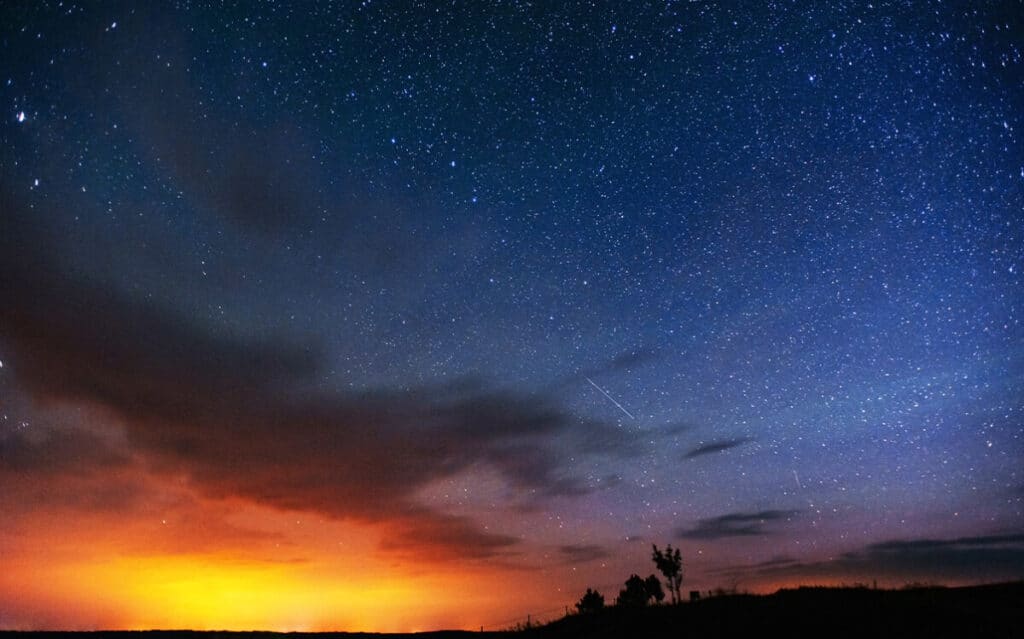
x: 519, y: 287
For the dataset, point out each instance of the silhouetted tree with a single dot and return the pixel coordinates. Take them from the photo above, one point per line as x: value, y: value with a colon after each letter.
x: 639, y: 592
x: 670, y: 564
x: 654, y: 590
x: 634, y: 595
x: 591, y: 601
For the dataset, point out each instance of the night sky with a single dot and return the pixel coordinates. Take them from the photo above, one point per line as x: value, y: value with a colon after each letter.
x: 399, y: 316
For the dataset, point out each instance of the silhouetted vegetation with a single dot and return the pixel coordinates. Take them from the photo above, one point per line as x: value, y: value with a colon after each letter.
x: 591, y: 601
x: 670, y: 564
x: 654, y: 590
x: 640, y: 592
x: 930, y: 612
x: 917, y: 610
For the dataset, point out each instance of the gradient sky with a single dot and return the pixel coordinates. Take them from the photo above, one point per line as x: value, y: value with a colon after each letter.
x: 397, y: 316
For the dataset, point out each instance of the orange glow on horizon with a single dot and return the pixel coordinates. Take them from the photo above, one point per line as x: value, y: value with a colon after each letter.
x: 215, y: 593
x: 209, y: 593
x: 94, y: 573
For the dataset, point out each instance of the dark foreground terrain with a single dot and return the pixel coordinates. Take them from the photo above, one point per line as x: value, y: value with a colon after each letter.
x: 978, y: 611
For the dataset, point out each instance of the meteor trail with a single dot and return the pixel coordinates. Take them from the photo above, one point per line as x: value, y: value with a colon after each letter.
x: 610, y: 398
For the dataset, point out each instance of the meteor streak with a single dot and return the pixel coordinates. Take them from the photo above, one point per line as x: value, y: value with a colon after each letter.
x: 610, y: 398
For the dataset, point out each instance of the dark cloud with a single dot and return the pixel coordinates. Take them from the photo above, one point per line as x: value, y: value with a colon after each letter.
x: 230, y: 411
x: 734, y: 572
x: 777, y: 562
x: 70, y: 336
x: 69, y: 476
x: 64, y: 468
x: 900, y: 546
x: 70, y: 451
x: 580, y: 553
x: 716, y: 447
x: 983, y: 558
x: 737, y: 525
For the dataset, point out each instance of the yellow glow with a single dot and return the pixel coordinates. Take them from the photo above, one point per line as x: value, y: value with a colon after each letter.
x: 211, y: 566
x: 208, y: 593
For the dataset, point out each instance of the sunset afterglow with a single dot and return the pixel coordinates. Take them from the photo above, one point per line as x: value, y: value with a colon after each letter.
x: 406, y: 316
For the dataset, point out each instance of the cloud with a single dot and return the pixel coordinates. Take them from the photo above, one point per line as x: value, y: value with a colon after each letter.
x: 911, y: 546
x: 737, y: 525
x: 66, y: 452
x: 234, y: 413
x: 982, y: 558
x: 72, y: 337
x: 81, y: 471
x: 581, y: 553
x: 716, y: 447
x: 777, y: 562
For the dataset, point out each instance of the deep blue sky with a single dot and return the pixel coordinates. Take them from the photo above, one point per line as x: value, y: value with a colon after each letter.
x: 743, y: 278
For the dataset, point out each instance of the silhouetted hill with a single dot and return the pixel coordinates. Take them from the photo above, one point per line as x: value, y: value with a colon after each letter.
x: 978, y: 611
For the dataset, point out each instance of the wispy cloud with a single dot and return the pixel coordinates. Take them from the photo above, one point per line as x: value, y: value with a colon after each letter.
x: 738, y: 524
x: 580, y: 553
x: 981, y: 558
x: 716, y: 447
